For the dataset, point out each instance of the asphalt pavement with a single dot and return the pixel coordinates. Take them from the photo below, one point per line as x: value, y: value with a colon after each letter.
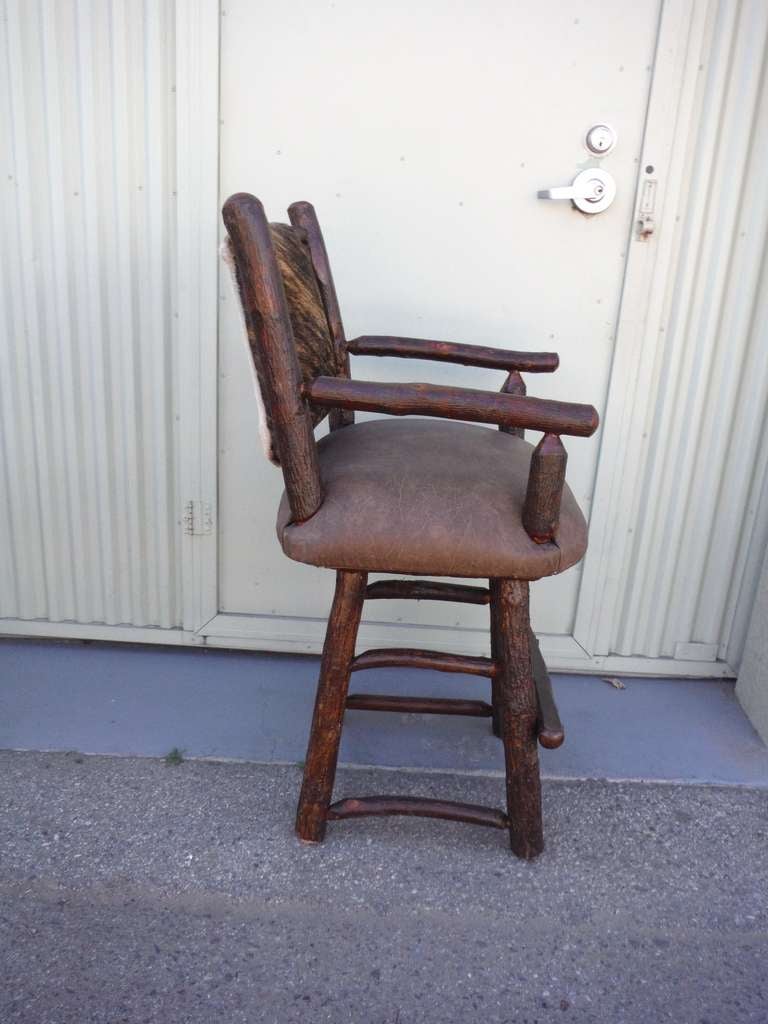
x: 136, y: 891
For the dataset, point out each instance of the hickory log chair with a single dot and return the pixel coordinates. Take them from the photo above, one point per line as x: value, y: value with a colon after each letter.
x: 417, y: 497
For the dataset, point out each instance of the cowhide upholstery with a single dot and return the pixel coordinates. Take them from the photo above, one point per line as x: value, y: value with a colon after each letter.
x: 314, y: 344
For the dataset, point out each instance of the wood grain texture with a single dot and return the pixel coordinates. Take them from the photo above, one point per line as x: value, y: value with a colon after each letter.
x: 402, y: 657
x: 454, y: 404
x: 270, y: 337
x: 448, y: 810
x: 302, y: 215
x: 546, y: 479
x: 328, y: 716
x: 418, y: 705
x: 518, y: 714
x: 426, y: 590
x: 514, y: 385
x: 453, y: 352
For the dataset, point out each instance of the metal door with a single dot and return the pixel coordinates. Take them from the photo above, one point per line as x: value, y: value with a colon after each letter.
x: 423, y: 134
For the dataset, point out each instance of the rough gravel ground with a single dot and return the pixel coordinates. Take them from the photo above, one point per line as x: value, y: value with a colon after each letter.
x: 132, y: 891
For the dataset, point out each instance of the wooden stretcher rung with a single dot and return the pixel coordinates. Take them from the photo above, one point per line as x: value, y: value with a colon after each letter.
x: 402, y: 657
x: 419, y: 705
x: 422, y: 590
x: 449, y: 810
x: 549, y: 727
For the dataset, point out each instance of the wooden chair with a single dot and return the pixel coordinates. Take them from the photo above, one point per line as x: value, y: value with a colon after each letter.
x: 421, y: 497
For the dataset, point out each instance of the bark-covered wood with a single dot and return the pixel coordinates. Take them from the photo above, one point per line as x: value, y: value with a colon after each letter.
x: 302, y: 215
x: 402, y: 657
x: 448, y: 810
x: 454, y: 404
x: 453, y: 352
x: 328, y: 717
x: 426, y: 590
x: 546, y: 479
x: 272, y: 346
x: 548, y: 725
x: 518, y: 715
x: 514, y: 385
x: 418, y: 705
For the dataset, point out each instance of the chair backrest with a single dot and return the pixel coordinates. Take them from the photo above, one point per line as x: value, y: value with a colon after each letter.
x: 294, y: 332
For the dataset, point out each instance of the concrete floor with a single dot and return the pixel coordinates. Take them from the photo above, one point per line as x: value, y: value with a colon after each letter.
x: 133, y: 891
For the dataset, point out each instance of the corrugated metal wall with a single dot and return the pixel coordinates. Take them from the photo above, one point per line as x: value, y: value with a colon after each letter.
x: 88, y: 503
x: 690, y: 574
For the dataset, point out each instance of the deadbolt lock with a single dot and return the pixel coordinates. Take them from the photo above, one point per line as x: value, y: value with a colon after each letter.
x: 600, y: 139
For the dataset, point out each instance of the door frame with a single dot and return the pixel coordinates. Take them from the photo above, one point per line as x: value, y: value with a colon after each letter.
x: 197, y: 186
x: 681, y: 42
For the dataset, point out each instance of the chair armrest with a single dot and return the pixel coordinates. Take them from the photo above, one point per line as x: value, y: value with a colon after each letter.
x: 451, y: 352
x: 453, y: 404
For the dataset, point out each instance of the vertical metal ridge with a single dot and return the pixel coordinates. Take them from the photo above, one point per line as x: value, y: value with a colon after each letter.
x: 126, y: 332
x: 10, y: 570
x: 98, y: 438
x: 87, y: 402
x: 157, y: 200
x: 70, y: 599
x: 114, y: 197
x: 59, y: 311
x: 19, y: 423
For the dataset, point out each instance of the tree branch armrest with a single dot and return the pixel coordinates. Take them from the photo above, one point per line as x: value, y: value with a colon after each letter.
x: 451, y: 403
x: 546, y: 479
x: 452, y: 352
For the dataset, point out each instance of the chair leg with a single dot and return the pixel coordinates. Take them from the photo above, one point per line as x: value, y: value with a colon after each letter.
x: 517, y: 714
x: 328, y: 718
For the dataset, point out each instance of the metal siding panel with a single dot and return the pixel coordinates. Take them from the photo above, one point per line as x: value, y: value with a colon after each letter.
x: 727, y: 443
x: 18, y: 428
x: 87, y: 358
x: 705, y: 465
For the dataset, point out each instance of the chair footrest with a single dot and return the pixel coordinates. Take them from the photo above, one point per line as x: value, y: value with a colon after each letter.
x: 549, y: 727
x: 404, y: 657
x: 420, y: 590
x: 419, y: 705
x: 364, y: 806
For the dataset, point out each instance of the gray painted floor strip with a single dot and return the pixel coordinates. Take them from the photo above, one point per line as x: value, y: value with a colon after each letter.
x: 114, y: 699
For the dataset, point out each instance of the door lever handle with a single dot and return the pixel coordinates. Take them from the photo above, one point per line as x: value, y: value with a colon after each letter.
x: 591, y: 191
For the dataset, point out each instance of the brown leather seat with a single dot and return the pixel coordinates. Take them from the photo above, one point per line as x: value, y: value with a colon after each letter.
x: 434, y: 497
